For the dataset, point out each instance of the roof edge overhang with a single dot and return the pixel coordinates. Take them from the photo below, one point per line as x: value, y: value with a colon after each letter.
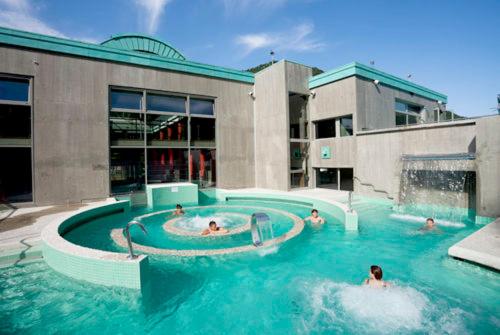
x: 361, y: 70
x: 59, y: 45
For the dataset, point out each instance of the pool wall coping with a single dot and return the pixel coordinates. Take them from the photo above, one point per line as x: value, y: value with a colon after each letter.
x: 481, y: 247
x: 92, y: 265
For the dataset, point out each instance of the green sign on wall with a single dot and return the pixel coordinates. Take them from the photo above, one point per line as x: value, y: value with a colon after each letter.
x: 325, y: 153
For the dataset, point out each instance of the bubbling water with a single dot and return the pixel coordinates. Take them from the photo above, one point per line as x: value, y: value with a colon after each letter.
x: 362, y: 309
x: 199, y: 222
x: 422, y: 219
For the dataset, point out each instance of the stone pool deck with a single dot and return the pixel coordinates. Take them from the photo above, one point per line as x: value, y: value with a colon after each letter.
x: 481, y: 247
x: 20, y: 229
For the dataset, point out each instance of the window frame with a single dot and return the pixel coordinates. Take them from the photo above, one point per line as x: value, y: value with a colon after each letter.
x: 29, y: 103
x: 407, y: 113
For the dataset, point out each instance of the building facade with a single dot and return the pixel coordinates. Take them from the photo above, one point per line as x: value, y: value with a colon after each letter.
x: 80, y: 121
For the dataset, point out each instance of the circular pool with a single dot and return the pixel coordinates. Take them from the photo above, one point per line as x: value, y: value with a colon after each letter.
x: 181, y: 236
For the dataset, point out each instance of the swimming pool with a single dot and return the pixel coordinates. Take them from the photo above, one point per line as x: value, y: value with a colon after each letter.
x: 309, y: 284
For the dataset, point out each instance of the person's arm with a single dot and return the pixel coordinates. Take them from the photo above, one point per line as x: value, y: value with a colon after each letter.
x: 307, y: 218
x: 321, y: 220
x: 205, y: 232
x: 366, y: 281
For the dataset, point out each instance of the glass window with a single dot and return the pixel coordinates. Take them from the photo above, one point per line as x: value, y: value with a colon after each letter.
x: 400, y: 119
x: 15, y: 175
x: 126, y: 128
x: 167, y: 165
x: 166, y: 103
x: 15, y: 124
x: 166, y: 129
x: 346, y: 126
x: 126, y: 99
x: 126, y: 170
x: 298, y: 116
x: 203, y: 167
x: 400, y: 106
x: 346, y: 179
x: 412, y: 119
x: 14, y: 89
x: 325, y: 128
x: 327, y: 178
x: 203, y: 132
x: 298, y: 179
x: 201, y: 107
x: 298, y: 156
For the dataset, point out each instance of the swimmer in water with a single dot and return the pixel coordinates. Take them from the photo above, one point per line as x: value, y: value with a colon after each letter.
x: 178, y: 210
x: 429, y: 224
x: 315, y: 218
x: 375, y: 277
x: 213, y: 229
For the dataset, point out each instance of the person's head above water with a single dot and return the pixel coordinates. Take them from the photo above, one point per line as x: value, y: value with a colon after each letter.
x: 314, y: 213
x: 178, y: 206
x: 212, y: 225
x: 430, y: 222
x: 376, y: 272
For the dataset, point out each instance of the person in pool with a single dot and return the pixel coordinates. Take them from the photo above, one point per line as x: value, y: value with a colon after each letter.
x: 429, y: 224
x: 214, y: 229
x: 315, y: 218
x: 375, y: 277
x: 178, y: 210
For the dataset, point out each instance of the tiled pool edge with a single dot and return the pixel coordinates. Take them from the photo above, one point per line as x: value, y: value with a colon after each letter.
x: 91, y: 265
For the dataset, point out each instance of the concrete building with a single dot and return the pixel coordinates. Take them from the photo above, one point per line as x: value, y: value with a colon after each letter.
x: 81, y: 121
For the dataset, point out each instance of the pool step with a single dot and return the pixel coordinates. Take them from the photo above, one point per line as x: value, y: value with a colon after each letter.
x: 19, y: 256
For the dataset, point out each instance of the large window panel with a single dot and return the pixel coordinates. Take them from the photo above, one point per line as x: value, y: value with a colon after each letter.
x: 167, y: 130
x: 126, y: 129
x: 325, y: 128
x: 201, y: 106
x: 203, y: 167
x: 126, y: 170
x: 15, y: 175
x: 166, y: 103
x: 167, y: 165
x: 126, y: 99
x: 15, y: 125
x: 203, y: 132
x: 346, y: 126
x: 13, y: 89
x: 298, y: 116
x: 327, y: 178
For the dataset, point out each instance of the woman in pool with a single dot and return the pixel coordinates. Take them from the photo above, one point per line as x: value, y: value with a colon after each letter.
x: 375, y: 277
x: 178, y: 210
x: 213, y: 229
x: 315, y: 218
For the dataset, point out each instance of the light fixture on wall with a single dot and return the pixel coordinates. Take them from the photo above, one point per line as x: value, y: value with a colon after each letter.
x: 251, y: 94
x: 376, y: 81
x: 312, y: 94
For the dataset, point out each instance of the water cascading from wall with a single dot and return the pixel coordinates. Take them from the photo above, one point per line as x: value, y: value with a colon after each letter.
x: 438, y: 186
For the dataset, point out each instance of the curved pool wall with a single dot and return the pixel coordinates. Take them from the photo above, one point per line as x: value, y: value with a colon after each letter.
x: 92, y: 265
x: 115, y: 269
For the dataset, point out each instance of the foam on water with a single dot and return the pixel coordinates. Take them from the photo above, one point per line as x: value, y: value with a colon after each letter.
x: 363, y: 309
x: 268, y: 251
x: 198, y: 222
x: 421, y: 219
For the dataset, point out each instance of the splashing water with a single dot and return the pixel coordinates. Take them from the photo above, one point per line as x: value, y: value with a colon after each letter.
x: 200, y: 222
x: 422, y: 219
x: 362, y: 309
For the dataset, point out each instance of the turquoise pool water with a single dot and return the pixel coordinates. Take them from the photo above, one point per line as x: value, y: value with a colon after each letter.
x: 309, y: 284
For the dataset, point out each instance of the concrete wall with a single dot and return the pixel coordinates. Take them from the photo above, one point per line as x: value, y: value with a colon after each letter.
x: 488, y: 165
x: 342, y: 149
x: 70, y: 115
x: 271, y: 128
x: 272, y: 154
x: 375, y: 104
x: 378, y: 153
x: 333, y: 100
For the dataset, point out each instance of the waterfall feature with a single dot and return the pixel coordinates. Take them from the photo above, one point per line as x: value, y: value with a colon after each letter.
x: 262, y: 228
x: 438, y: 186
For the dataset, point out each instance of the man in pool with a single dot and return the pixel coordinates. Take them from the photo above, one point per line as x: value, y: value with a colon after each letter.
x: 429, y: 224
x: 213, y: 229
x: 178, y: 210
x: 375, y: 277
x: 315, y: 218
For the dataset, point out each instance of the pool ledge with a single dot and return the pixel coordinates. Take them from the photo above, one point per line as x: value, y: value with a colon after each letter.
x: 92, y: 265
x: 481, y: 247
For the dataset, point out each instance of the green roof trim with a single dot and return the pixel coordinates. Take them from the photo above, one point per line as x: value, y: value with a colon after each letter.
x: 357, y: 69
x: 143, y: 43
x: 102, y: 52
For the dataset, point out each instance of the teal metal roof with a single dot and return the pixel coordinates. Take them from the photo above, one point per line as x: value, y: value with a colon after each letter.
x: 143, y: 43
x: 103, y: 52
x: 357, y: 69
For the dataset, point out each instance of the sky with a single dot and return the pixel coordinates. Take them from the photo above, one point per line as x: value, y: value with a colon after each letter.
x: 450, y: 46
